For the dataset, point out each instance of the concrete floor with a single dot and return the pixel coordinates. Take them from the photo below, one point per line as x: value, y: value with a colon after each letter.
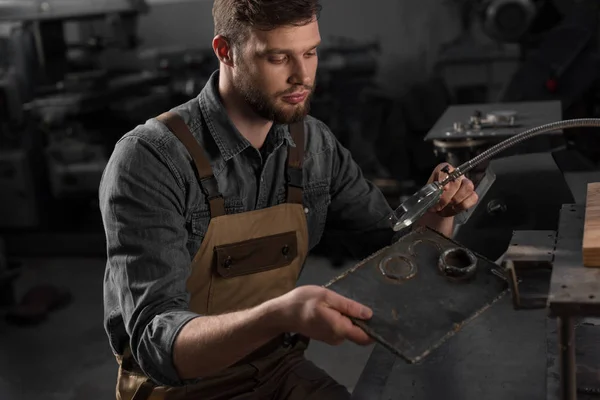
x: 68, y: 357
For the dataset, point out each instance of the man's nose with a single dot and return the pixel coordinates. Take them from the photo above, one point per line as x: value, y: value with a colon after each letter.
x: 300, y: 75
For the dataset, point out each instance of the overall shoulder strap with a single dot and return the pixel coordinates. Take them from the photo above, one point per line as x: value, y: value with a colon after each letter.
x: 294, y: 167
x: 208, y: 182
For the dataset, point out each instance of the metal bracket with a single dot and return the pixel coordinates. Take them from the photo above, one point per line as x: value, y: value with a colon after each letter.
x: 482, y: 188
x: 528, y: 267
x: 522, y: 299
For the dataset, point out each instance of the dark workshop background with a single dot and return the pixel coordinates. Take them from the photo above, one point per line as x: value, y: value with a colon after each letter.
x: 404, y: 84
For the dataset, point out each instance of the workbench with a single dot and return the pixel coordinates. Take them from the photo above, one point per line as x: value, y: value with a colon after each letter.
x: 508, y: 353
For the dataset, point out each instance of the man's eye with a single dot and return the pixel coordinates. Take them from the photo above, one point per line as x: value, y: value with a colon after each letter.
x: 311, y: 53
x: 277, y: 60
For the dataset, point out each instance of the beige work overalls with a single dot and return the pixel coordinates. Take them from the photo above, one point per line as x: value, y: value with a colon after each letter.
x: 245, y: 259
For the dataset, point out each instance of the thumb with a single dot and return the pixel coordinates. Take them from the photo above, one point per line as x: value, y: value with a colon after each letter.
x: 347, y: 307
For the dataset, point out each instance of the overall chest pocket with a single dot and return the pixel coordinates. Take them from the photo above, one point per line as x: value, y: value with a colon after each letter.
x: 316, y: 203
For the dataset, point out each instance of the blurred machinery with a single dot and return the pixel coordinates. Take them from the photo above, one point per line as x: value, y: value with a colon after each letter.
x: 346, y: 75
x: 54, y: 83
x: 522, y: 50
x: 72, y: 81
x: 464, y: 131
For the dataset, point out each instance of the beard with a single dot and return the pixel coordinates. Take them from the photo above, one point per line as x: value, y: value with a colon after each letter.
x: 266, y: 106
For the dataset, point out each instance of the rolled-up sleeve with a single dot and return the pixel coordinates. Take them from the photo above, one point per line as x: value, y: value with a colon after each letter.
x: 358, y: 215
x: 142, y: 206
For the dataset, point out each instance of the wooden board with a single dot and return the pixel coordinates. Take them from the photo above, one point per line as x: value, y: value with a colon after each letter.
x: 591, y: 231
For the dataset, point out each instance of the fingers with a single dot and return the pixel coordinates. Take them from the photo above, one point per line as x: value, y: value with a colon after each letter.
x: 450, y: 191
x: 342, y: 328
x: 457, y: 196
x: 465, y: 198
x: 337, y: 328
x: 347, y: 307
x: 466, y: 190
x: 357, y: 335
x: 469, y: 202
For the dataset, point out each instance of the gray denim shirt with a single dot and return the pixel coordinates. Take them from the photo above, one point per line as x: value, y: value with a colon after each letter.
x: 155, y: 215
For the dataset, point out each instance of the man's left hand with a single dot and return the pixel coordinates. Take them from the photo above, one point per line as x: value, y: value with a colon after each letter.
x: 458, y: 196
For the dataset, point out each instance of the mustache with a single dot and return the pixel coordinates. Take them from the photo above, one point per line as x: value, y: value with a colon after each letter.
x: 296, y: 90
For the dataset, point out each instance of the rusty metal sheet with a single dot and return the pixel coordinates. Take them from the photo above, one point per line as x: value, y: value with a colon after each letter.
x: 587, y: 337
x: 418, y: 303
x: 574, y: 289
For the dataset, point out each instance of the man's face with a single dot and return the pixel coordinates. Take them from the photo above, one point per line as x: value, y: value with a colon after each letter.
x: 275, y: 71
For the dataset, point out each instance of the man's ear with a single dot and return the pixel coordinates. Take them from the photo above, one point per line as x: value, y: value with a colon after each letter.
x: 223, y: 50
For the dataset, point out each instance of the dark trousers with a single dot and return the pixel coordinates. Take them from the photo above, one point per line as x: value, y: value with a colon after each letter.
x: 283, y: 374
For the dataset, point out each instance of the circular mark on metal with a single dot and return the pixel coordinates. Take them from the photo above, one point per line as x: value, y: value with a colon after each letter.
x: 397, y: 267
x: 457, y: 264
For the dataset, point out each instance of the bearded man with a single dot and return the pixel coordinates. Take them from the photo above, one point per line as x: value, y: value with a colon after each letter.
x: 210, y: 210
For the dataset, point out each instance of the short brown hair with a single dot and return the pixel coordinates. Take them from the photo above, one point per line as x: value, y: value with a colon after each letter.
x: 232, y: 18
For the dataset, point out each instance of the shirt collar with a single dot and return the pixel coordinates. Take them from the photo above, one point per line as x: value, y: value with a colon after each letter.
x: 229, y: 140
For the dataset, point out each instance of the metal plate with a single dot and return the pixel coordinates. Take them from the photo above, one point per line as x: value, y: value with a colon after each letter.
x: 529, y: 115
x: 574, y: 289
x: 587, y: 337
x: 416, y: 314
x: 537, y: 246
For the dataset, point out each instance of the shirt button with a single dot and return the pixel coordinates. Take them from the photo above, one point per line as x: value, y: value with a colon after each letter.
x: 306, y: 210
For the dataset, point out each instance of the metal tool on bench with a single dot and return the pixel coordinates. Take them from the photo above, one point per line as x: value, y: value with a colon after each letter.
x: 417, y: 205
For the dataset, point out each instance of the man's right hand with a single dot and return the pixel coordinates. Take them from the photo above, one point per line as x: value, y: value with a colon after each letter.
x: 322, y: 314
x: 208, y: 344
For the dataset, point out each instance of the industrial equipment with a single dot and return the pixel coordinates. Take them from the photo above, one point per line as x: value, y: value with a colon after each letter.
x: 465, y: 131
x: 562, y: 64
x: 514, y: 21
x: 54, y: 83
x: 524, y: 50
x: 72, y: 82
x: 540, y: 342
x: 543, y: 269
x: 417, y: 205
